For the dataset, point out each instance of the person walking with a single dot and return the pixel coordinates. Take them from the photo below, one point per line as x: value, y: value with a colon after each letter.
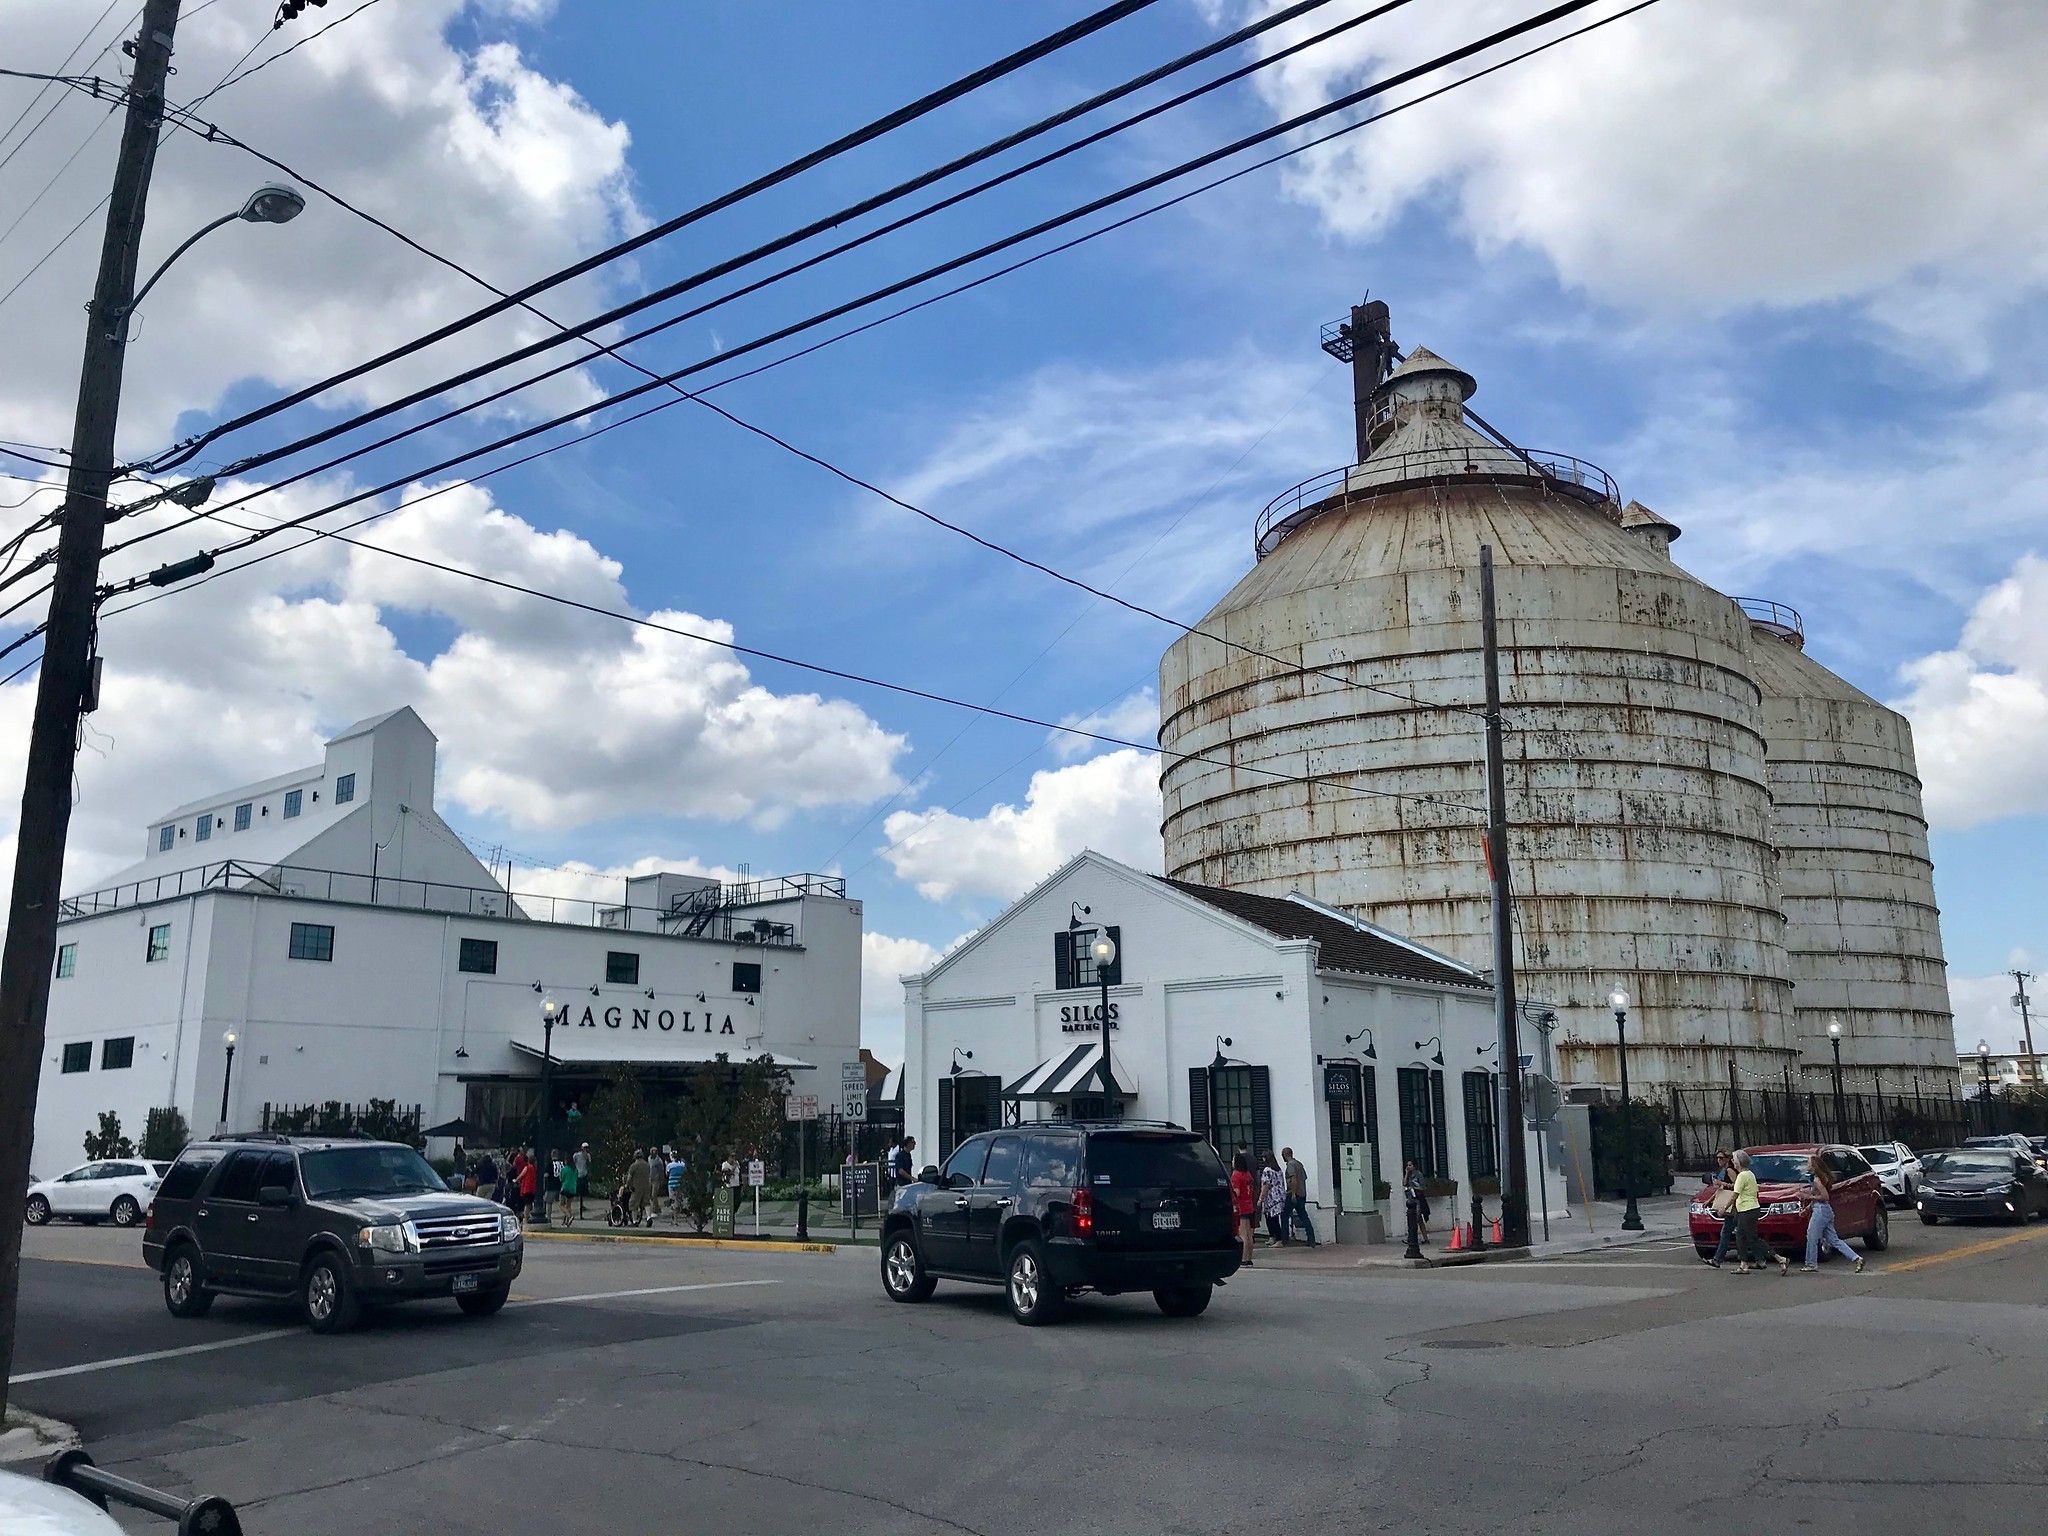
x: 1273, y: 1197
x: 905, y: 1165
x: 1297, y: 1197
x: 1243, y: 1201
x: 508, y: 1186
x: 1747, y: 1206
x: 638, y: 1188
x: 1820, y: 1220
x: 657, y: 1180
x: 1411, y: 1182
x: 485, y: 1171
x: 675, y: 1170
x: 529, y: 1183
x: 582, y: 1164
x: 1720, y: 1194
x: 569, y: 1190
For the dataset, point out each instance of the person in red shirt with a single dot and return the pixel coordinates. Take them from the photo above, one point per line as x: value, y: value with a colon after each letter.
x: 1243, y: 1202
x: 529, y: 1183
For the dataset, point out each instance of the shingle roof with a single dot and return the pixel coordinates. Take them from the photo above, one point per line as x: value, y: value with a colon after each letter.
x: 1341, y: 944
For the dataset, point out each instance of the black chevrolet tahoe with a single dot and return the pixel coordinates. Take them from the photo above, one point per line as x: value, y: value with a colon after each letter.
x: 338, y: 1223
x: 1049, y: 1211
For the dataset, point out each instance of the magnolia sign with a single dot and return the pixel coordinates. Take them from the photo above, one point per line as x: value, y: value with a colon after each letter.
x: 664, y: 1019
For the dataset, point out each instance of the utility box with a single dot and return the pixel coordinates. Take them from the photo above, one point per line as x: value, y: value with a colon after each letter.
x: 1354, y: 1177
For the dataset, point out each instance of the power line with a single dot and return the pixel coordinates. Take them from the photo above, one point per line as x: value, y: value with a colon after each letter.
x: 76, y: 47
x: 231, y: 78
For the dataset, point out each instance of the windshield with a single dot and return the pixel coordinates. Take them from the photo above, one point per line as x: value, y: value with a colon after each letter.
x: 1945, y: 1165
x: 1880, y: 1157
x: 1780, y: 1168
x: 348, y: 1171
x: 1154, y: 1162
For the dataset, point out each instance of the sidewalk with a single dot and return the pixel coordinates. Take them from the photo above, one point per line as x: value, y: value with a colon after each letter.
x: 778, y: 1223
x: 1584, y: 1230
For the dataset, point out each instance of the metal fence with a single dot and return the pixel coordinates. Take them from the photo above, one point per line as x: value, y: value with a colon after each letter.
x: 826, y: 1140
x: 379, y: 1119
x: 1704, y: 1120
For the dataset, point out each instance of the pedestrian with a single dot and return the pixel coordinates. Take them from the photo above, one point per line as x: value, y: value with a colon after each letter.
x: 1297, y: 1196
x: 574, y: 1117
x: 1412, y: 1183
x: 582, y: 1162
x: 1273, y: 1197
x: 485, y: 1173
x: 529, y: 1182
x: 639, y: 1189
x: 1820, y: 1220
x: 508, y: 1186
x: 905, y: 1164
x: 461, y: 1163
x: 675, y: 1171
x: 1719, y: 1194
x: 1243, y: 1201
x: 570, y: 1188
x: 657, y: 1181
x: 889, y: 1169
x: 1747, y: 1206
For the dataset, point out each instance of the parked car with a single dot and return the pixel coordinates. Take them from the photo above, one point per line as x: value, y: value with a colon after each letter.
x: 1784, y: 1186
x: 32, y: 1507
x: 2023, y: 1145
x: 114, y: 1189
x: 1986, y: 1182
x: 1050, y: 1211
x: 340, y: 1224
x: 1897, y: 1169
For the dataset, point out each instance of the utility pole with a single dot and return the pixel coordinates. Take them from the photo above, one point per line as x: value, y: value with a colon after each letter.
x: 2020, y: 1000
x: 1514, y: 1161
x: 69, y: 665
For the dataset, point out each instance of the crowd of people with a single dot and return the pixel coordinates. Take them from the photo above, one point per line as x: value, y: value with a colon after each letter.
x: 1735, y: 1198
x: 1275, y: 1189
x: 522, y: 1187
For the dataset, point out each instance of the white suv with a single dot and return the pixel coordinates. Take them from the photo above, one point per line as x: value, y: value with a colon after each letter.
x: 115, y: 1189
x: 1897, y: 1169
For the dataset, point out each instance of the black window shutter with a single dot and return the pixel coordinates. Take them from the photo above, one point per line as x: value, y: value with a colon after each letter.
x: 1369, y: 1096
x: 1116, y: 966
x: 1062, y: 962
x: 1262, y: 1109
x: 1439, y: 1120
x: 1198, y: 1100
x: 945, y: 1120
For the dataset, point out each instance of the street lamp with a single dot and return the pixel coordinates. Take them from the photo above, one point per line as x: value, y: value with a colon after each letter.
x: 1437, y: 1055
x: 1631, y: 1217
x: 227, y: 1076
x: 1103, y: 952
x: 1216, y: 1066
x: 1984, y: 1077
x: 1835, y: 1043
x: 271, y: 203
x: 550, y: 1016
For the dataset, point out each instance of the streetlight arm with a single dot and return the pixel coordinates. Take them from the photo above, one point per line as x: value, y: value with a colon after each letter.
x: 191, y: 240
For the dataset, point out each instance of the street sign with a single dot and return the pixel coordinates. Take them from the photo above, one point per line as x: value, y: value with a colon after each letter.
x: 722, y: 1213
x: 757, y: 1173
x: 800, y: 1106
x: 856, y: 1106
x: 860, y: 1189
x: 853, y: 1077
x: 1540, y: 1099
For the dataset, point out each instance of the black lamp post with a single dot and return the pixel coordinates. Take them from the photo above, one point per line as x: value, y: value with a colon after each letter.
x: 1216, y: 1066
x: 226, y: 1077
x: 550, y: 1014
x: 1835, y: 1043
x: 1631, y: 1217
x: 1103, y: 951
x: 1983, y: 1074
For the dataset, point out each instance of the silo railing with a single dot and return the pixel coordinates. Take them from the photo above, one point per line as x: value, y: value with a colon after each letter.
x: 1779, y: 617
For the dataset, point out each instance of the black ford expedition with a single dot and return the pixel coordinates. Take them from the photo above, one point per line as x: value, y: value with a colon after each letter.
x: 1049, y: 1211
x: 337, y: 1223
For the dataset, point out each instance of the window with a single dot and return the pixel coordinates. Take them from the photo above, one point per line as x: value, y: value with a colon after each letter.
x: 311, y: 941
x: 479, y: 957
x: 968, y: 1104
x: 78, y: 1056
x: 746, y: 976
x: 159, y: 943
x: 1243, y: 1107
x: 1052, y: 1162
x: 1423, y: 1135
x: 1482, y: 1128
x: 1004, y: 1155
x: 1073, y: 958
x: 622, y: 966
x: 117, y: 1053
x: 344, y: 789
x: 243, y: 813
x: 186, y: 1175
x: 203, y: 828
x: 240, y: 1177
x: 1153, y: 1160
x: 966, y: 1163
x: 164, y: 837
x: 294, y: 802
x: 1354, y: 1115
x: 67, y: 960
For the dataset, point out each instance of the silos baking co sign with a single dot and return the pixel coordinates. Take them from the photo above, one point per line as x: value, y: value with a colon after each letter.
x: 1077, y: 1018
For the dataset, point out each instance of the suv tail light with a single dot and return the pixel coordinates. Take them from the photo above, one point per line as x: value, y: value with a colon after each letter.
x: 149, y: 1217
x: 1084, y: 1213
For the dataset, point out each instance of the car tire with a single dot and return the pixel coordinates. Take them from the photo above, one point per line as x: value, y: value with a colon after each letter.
x: 125, y: 1211
x: 1929, y: 1219
x: 1033, y: 1298
x: 1879, y: 1237
x: 904, y: 1277
x: 185, y: 1292
x: 484, y: 1303
x: 1705, y: 1251
x: 1184, y: 1300
x: 327, y: 1295
x: 37, y: 1211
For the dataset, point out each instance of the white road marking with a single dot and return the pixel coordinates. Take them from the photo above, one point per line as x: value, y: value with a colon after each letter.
x: 652, y: 1290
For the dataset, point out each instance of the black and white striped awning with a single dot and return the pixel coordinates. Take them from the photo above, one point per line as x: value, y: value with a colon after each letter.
x: 1078, y: 1071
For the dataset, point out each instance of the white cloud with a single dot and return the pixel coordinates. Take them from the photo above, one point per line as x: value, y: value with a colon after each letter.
x: 1713, y: 155
x: 884, y: 962
x: 1109, y: 803
x: 579, y: 882
x: 1980, y: 710
x: 465, y: 147
x: 1134, y: 717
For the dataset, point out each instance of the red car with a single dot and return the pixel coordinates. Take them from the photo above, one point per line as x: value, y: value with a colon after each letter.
x: 1782, y: 1184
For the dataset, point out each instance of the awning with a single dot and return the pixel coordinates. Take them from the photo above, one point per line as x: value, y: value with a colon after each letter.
x: 457, y: 1128
x: 1077, y: 1071
x: 573, y: 1049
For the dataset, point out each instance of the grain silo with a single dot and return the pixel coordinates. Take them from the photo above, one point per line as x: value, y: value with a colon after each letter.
x: 1862, y: 932
x: 1635, y: 758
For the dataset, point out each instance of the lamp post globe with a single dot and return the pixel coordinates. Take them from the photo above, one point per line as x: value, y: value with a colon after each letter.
x: 1835, y: 1045
x: 273, y: 203
x: 1631, y: 1216
x: 227, y: 1075
x: 1984, y: 1080
x: 1103, y: 952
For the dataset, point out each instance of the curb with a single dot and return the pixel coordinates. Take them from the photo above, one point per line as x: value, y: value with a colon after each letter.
x: 722, y: 1244
x: 26, y: 1436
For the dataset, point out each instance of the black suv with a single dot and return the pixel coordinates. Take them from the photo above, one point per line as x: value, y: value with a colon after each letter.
x: 337, y: 1223
x: 1048, y: 1211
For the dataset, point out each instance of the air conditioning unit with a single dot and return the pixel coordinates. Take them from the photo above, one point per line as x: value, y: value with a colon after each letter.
x: 613, y: 917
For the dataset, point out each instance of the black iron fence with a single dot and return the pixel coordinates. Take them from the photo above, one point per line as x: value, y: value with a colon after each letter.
x: 826, y: 1140
x: 1704, y: 1120
x: 378, y: 1119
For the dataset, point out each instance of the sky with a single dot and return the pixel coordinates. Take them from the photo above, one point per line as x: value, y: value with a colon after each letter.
x: 1776, y: 268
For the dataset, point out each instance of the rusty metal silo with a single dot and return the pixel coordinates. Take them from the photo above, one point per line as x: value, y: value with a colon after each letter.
x: 1635, y: 760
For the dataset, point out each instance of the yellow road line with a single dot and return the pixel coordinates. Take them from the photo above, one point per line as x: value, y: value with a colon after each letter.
x: 687, y: 1244
x: 1968, y: 1250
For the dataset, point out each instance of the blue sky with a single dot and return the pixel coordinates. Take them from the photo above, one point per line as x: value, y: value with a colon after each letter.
x: 1674, y: 279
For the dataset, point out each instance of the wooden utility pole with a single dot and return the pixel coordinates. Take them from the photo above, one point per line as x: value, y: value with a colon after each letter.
x: 1514, y: 1160
x: 68, y: 655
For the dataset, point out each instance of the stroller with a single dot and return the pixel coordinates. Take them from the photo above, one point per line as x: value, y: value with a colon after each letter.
x: 616, y: 1213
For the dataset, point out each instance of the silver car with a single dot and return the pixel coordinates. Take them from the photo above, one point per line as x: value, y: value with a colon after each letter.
x: 1897, y: 1169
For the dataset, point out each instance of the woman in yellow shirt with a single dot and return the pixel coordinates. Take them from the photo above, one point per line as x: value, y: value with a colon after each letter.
x: 1747, y: 1205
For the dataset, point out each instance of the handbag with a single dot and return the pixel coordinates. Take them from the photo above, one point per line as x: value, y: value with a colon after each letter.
x: 1724, y: 1203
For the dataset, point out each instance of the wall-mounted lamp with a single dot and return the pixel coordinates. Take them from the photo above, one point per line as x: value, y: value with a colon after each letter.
x: 750, y: 1002
x: 1366, y: 1036
x: 1438, y: 1042
x: 593, y: 990
x: 536, y: 986
x: 650, y: 994
x: 957, y: 1055
x: 461, y: 1053
x: 700, y: 997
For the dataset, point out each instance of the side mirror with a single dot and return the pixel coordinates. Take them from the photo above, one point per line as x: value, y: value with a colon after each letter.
x: 930, y: 1175
x: 278, y: 1195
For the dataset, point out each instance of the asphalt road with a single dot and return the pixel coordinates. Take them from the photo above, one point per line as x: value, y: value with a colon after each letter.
x: 645, y: 1389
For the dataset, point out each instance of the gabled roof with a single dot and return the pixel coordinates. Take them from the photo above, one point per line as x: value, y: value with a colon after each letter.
x: 370, y: 723
x: 1342, y: 943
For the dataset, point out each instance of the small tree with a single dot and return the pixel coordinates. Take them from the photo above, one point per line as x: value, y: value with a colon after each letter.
x: 108, y: 1140
x: 759, y: 1088
x: 613, y: 1121
x: 164, y: 1134
x: 704, y: 1126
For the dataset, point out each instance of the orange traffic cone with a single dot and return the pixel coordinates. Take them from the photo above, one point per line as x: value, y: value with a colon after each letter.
x: 1496, y: 1229
x: 1457, y: 1238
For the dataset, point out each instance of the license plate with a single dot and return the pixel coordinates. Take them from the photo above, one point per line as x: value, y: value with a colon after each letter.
x: 1166, y: 1221
x: 467, y: 1283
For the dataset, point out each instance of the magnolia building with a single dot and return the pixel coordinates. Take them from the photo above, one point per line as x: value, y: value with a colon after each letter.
x: 324, y: 936
x: 1267, y: 1020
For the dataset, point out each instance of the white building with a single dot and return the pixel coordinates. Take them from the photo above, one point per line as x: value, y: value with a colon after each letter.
x: 356, y: 950
x: 1272, y: 1021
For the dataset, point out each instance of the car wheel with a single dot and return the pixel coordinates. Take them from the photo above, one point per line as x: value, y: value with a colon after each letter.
x: 484, y: 1303
x: 1033, y: 1297
x: 903, y: 1272
x: 126, y: 1212
x: 1184, y: 1300
x: 1705, y: 1251
x: 1879, y: 1237
x: 328, y: 1296
x: 185, y: 1293
x: 1929, y: 1219
x: 37, y: 1211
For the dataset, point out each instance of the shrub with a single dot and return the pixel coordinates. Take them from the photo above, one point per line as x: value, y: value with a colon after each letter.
x: 164, y: 1134
x: 108, y: 1141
